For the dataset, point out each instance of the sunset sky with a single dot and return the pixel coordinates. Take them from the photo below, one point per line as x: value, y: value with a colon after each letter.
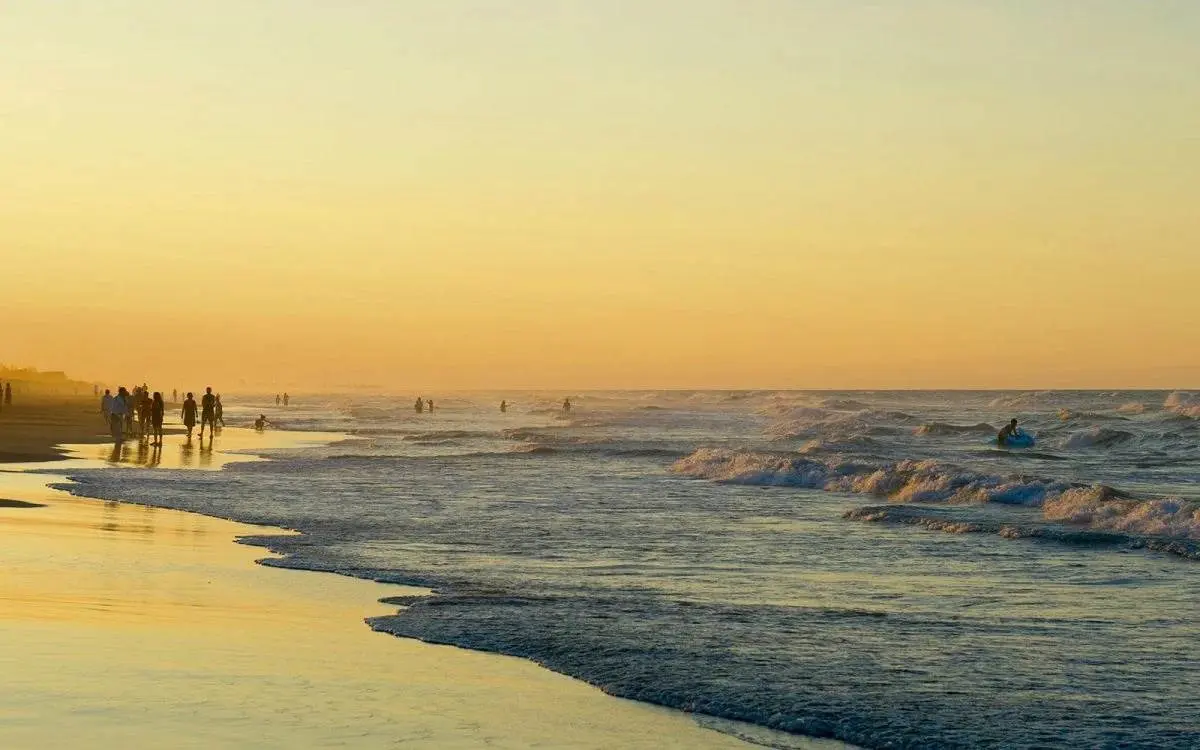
x: 650, y: 193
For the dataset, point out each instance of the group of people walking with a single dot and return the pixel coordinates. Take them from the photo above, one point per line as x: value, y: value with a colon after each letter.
x: 140, y: 413
x: 211, y: 413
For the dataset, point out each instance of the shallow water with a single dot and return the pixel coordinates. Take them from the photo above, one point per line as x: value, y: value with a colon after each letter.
x: 866, y: 566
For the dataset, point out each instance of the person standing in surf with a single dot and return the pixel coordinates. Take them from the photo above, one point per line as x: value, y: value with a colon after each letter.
x: 189, y: 415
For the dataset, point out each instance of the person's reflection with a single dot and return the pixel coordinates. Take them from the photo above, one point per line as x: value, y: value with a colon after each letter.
x: 118, y: 452
x: 143, y: 453
x: 206, y: 454
x: 186, y: 452
x: 155, y: 456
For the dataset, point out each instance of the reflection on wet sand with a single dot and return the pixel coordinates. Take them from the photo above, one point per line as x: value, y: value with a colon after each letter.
x: 132, y: 626
x: 193, y: 453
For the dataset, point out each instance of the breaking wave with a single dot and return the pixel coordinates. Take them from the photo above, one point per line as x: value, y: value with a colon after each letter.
x: 1132, y: 536
x: 1097, y: 437
x: 1170, y: 517
x: 908, y: 481
x: 1184, y: 403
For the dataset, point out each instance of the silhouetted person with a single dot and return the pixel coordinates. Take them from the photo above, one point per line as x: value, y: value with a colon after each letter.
x: 8, y: 394
x: 429, y: 405
x: 261, y: 423
x: 130, y: 400
x: 220, y: 411
x: 116, y: 410
x: 189, y: 414
x: 208, y: 413
x: 106, y: 405
x: 503, y: 407
x: 145, y: 407
x: 157, y: 411
x: 420, y: 405
x: 174, y: 395
x: 286, y: 398
x: 1006, y: 432
x: 278, y: 399
x: 566, y: 405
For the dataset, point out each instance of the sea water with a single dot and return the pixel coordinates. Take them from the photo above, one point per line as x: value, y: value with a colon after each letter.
x: 865, y: 566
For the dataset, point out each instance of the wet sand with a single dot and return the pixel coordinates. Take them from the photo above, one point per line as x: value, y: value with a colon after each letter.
x: 133, y: 626
x: 32, y: 428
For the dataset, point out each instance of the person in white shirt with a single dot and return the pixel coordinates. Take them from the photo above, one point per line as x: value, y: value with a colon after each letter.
x: 117, y: 411
x: 106, y: 405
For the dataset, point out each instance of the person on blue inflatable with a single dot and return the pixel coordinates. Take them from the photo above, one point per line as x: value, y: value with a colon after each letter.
x: 1009, y: 430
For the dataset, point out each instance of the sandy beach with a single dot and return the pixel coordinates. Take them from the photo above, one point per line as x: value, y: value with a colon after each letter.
x: 34, y: 427
x: 132, y: 626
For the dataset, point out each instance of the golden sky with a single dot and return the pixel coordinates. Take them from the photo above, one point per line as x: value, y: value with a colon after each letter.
x: 661, y: 193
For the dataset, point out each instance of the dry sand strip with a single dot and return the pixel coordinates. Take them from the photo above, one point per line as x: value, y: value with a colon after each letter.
x: 133, y: 626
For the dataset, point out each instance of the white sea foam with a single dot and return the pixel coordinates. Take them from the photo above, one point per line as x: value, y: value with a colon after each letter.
x: 1184, y: 403
x: 1160, y: 517
x: 909, y: 481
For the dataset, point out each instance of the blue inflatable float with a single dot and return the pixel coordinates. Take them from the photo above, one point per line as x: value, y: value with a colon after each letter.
x: 1019, y: 439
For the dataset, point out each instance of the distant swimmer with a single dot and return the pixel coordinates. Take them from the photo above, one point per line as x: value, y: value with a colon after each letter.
x: 261, y: 423
x: 278, y: 399
x: 503, y: 407
x: 1009, y: 430
x: 286, y: 398
x: 174, y: 395
x: 208, y: 413
x: 420, y: 405
x: 157, y: 410
x: 220, y: 411
x: 189, y: 414
x: 429, y: 405
x: 566, y: 406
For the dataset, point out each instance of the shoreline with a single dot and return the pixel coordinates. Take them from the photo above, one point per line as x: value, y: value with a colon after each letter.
x: 462, y: 698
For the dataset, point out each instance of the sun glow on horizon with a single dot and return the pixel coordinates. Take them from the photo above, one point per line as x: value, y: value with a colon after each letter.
x: 586, y: 195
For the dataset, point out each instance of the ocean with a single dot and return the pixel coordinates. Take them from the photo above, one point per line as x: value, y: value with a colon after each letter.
x: 865, y: 566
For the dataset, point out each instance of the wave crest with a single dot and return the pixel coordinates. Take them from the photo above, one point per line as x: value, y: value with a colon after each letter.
x: 943, y: 428
x: 1097, y: 437
x: 1184, y: 403
x: 907, y: 481
x: 1170, y: 517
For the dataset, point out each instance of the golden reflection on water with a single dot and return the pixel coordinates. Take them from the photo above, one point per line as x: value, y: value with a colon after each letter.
x: 130, y: 626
